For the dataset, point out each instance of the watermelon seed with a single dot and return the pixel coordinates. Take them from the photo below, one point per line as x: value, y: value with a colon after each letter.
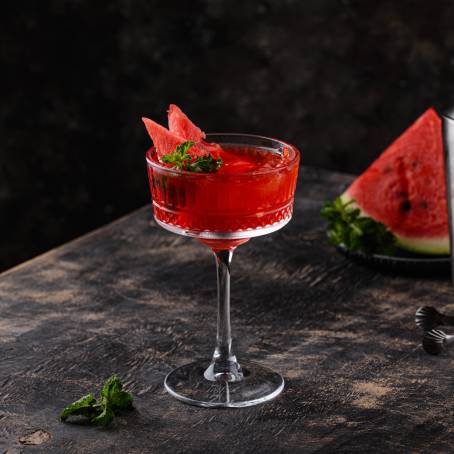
x: 405, y: 207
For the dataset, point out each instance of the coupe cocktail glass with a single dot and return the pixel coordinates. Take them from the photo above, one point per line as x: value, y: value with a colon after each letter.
x: 223, y: 210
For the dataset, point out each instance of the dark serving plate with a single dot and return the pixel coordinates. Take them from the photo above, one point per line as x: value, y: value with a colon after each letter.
x: 401, y: 262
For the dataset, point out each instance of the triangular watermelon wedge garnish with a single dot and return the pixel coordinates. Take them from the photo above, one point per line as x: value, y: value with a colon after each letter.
x: 164, y: 141
x: 180, y: 124
x: 182, y: 131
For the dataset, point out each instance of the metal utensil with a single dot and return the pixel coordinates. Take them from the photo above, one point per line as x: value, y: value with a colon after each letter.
x: 428, y: 317
x: 448, y: 142
x: 435, y: 341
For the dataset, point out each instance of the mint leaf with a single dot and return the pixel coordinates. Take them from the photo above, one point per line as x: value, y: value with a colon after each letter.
x: 104, y: 418
x: 111, y: 387
x: 84, y: 406
x: 101, y: 411
x: 206, y: 164
x: 122, y: 401
x: 347, y: 227
x: 182, y: 160
x: 114, y: 396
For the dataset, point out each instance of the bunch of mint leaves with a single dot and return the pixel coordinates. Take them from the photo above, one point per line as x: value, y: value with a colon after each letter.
x: 348, y: 228
x: 182, y: 160
x: 101, y: 411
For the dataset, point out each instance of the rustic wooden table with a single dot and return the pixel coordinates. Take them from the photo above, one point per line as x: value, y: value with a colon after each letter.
x: 133, y: 299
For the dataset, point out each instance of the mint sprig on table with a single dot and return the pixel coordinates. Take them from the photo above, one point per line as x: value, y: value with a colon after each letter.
x: 182, y: 160
x: 347, y: 227
x: 101, y: 411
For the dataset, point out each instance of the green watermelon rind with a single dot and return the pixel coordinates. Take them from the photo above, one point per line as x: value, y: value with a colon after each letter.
x: 422, y: 245
x: 428, y: 246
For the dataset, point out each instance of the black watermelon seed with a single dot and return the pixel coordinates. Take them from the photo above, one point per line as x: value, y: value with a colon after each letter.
x: 405, y: 206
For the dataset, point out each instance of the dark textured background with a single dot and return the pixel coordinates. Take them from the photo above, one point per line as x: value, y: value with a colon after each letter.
x: 340, y: 79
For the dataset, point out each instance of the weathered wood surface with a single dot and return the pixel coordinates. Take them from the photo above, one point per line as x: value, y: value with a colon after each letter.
x: 133, y: 299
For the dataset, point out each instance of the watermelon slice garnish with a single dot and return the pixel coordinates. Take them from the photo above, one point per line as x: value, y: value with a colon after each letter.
x: 181, y: 130
x: 405, y: 188
x: 181, y: 125
x: 164, y: 141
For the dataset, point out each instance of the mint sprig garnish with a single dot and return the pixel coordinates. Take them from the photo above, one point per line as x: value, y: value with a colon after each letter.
x: 182, y: 160
x: 347, y: 227
x: 101, y: 411
x: 205, y: 164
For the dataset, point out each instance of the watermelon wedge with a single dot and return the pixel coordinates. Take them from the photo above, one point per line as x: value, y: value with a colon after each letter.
x: 164, y: 140
x: 405, y: 188
x: 181, y: 130
x: 181, y: 125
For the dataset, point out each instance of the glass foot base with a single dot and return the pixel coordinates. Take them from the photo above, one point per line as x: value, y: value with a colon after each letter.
x: 188, y: 384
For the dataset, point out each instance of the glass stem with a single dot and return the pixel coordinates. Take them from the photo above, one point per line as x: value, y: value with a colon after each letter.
x: 224, y: 366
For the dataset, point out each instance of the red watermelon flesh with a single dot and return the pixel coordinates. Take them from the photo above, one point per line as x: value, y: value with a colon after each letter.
x: 405, y: 188
x: 214, y: 149
x: 166, y: 141
x: 181, y: 125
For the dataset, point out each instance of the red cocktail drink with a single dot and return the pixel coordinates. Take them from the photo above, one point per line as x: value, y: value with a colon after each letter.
x: 250, y: 195
x: 247, y: 191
